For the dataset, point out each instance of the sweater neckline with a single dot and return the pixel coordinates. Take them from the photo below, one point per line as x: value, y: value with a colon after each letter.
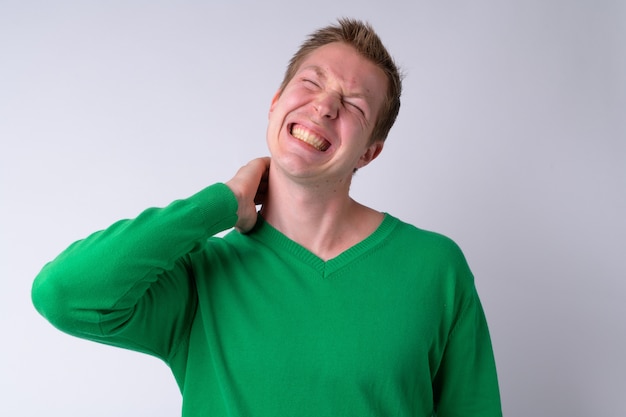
x: 270, y: 236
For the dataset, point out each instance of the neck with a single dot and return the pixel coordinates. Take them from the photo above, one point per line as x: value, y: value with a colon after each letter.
x: 321, y: 217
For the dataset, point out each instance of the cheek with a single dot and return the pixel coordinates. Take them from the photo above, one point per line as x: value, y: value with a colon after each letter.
x: 275, y: 122
x: 354, y: 128
x: 273, y: 126
x: 293, y: 97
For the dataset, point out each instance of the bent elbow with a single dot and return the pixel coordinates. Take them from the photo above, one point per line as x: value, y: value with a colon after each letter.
x: 49, y: 297
x: 53, y: 295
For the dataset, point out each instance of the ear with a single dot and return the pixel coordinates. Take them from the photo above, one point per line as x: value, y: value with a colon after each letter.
x: 371, y: 152
x: 274, y: 100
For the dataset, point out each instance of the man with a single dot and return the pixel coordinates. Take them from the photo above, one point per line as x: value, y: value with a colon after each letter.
x: 316, y: 305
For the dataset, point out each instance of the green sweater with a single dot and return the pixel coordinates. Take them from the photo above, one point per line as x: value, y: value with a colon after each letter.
x: 256, y: 325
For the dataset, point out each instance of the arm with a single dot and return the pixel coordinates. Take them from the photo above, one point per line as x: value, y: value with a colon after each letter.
x: 466, y: 383
x: 131, y: 284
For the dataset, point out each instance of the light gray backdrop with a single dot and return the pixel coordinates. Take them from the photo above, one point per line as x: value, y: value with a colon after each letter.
x: 511, y: 140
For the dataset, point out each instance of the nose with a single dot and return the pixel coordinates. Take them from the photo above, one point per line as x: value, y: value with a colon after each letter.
x: 327, y: 105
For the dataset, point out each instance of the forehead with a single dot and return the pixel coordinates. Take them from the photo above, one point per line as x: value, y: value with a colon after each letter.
x: 343, y: 63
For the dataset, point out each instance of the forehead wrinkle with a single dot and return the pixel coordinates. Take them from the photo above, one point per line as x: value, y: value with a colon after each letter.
x: 323, y: 75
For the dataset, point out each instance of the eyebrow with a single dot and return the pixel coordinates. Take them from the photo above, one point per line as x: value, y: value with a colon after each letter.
x: 318, y: 70
x: 323, y: 75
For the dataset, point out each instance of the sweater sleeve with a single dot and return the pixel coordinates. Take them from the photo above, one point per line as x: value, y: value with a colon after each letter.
x: 466, y: 383
x: 131, y: 284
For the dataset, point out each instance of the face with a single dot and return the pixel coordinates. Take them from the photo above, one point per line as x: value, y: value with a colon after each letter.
x: 321, y: 123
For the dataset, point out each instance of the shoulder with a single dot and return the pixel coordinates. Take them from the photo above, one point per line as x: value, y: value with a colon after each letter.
x: 427, y: 254
x: 424, y: 241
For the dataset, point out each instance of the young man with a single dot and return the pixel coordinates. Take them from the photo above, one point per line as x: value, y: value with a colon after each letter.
x: 317, y: 305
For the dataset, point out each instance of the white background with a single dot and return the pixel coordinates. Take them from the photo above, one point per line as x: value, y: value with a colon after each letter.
x: 511, y: 140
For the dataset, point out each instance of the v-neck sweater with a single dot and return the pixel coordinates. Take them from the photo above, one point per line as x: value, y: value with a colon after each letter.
x: 256, y: 325
x: 265, y: 234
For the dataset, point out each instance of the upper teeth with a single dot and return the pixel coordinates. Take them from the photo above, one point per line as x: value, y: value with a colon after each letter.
x: 309, y: 137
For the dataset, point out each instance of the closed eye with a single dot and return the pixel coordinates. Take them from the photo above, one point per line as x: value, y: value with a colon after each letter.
x: 310, y: 83
x: 354, y: 106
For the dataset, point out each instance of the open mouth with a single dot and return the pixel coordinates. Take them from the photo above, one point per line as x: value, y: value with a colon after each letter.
x: 310, y: 138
